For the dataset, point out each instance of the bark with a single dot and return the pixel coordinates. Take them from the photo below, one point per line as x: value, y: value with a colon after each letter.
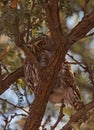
x: 62, y: 44
x: 11, y: 78
x: 38, y: 107
x: 49, y: 74
x: 81, y: 29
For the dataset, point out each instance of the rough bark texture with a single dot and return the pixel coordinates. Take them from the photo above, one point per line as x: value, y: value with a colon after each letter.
x: 49, y: 74
x: 11, y: 78
x: 61, y: 44
x: 81, y: 29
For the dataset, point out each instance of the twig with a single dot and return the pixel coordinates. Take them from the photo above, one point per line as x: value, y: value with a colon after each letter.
x: 76, y: 61
x: 12, y: 77
x: 85, y: 67
x: 7, y: 121
x: 2, y: 114
x: 15, y: 106
x: 5, y: 68
x: 15, y: 115
x: 46, y: 122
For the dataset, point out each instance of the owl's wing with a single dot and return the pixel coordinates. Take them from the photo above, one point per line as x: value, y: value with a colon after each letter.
x: 31, y: 74
x: 65, y: 88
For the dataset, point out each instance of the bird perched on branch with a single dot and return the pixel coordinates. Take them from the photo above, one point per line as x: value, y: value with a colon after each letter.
x: 65, y: 87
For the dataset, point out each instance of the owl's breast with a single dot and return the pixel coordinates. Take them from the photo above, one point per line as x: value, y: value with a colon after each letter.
x: 44, y: 58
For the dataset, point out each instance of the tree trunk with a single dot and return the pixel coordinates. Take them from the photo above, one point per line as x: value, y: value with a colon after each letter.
x: 38, y: 107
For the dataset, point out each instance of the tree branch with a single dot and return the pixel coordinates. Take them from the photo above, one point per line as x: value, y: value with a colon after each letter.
x: 15, y: 106
x: 49, y: 73
x: 10, y: 79
x: 52, y: 13
x: 82, y: 28
x: 44, y: 88
x: 78, y: 115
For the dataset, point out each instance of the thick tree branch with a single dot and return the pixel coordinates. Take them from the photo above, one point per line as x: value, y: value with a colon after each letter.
x: 48, y: 74
x: 52, y: 13
x: 10, y: 79
x: 82, y: 28
x: 79, y: 115
x: 44, y: 88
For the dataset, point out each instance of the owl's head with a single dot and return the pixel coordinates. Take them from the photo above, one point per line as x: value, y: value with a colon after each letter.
x: 42, y: 49
x: 40, y: 44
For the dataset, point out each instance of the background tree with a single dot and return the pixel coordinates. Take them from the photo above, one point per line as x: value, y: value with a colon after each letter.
x: 59, y: 23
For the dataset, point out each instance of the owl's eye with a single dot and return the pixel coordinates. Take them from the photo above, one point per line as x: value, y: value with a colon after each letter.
x: 42, y: 44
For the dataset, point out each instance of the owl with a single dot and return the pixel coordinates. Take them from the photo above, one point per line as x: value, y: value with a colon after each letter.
x: 65, y: 87
x: 42, y: 50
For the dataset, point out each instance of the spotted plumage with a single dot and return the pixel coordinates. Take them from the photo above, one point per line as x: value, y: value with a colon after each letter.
x: 65, y: 87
